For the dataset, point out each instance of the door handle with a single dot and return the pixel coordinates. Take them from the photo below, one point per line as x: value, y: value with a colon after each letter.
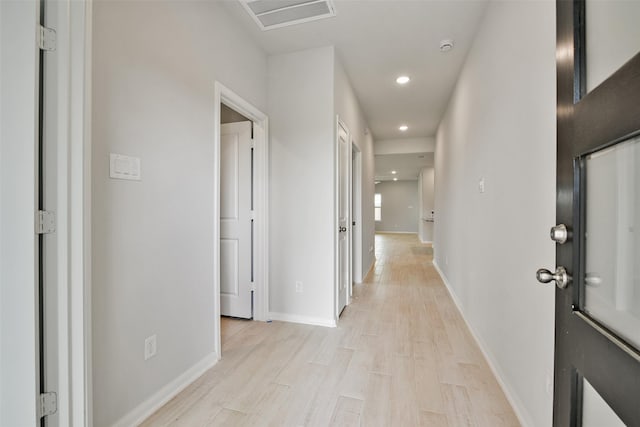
x: 342, y: 229
x: 560, y: 276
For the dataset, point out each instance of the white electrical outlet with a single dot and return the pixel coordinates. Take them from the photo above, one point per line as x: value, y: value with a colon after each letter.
x: 481, y: 185
x: 150, y: 347
x: 299, y: 287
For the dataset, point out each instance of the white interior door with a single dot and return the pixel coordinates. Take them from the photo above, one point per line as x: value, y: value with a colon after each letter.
x: 235, y: 220
x: 344, y: 220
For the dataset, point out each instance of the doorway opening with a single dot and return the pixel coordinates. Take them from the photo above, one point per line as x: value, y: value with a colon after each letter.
x: 236, y: 223
x: 240, y: 214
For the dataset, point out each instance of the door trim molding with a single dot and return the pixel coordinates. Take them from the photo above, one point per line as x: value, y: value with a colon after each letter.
x: 336, y: 214
x: 356, y: 214
x: 224, y: 95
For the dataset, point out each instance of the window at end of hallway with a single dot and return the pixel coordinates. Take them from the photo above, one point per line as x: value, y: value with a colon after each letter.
x: 377, y: 205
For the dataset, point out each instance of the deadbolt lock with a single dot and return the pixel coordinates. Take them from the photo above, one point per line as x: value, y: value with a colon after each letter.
x: 559, y: 233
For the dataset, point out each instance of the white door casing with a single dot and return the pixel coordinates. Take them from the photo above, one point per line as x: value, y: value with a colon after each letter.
x: 235, y: 220
x: 19, y: 199
x: 356, y: 216
x: 223, y: 94
x: 344, y: 220
x: 48, y: 201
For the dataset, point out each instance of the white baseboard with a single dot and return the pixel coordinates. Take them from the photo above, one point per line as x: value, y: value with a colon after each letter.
x: 373, y: 263
x: 396, y: 232
x: 515, y: 402
x: 166, y: 393
x: 426, y: 241
x: 307, y: 320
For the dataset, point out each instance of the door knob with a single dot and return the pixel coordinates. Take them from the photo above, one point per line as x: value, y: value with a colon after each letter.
x: 560, y: 276
x: 342, y: 229
x: 559, y: 233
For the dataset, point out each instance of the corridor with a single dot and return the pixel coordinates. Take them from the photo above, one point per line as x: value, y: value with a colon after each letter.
x: 402, y: 356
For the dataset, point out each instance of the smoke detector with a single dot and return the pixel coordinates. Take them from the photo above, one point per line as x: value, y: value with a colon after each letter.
x: 446, y: 45
x: 270, y: 14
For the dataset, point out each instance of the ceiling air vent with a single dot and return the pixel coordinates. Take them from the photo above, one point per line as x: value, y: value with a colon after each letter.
x: 270, y: 14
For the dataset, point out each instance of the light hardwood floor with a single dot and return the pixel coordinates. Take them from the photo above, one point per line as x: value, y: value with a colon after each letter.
x: 402, y: 356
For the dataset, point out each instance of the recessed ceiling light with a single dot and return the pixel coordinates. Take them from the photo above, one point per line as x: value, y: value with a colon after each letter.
x: 446, y: 45
x: 403, y: 80
x: 393, y: 172
x: 403, y: 128
x: 395, y: 179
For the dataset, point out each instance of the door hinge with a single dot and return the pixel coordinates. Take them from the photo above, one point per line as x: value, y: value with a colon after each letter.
x: 48, y: 404
x: 252, y: 215
x: 253, y: 286
x: 45, y: 222
x: 47, y: 39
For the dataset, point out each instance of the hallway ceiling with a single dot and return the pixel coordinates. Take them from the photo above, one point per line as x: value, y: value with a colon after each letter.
x: 379, y: 40
x: 407, y: 166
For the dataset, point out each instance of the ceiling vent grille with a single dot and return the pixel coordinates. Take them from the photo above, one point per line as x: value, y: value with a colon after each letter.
x: 270, y: 14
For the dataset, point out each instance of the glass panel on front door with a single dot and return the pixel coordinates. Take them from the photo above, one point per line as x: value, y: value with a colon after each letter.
x: 612, y: 239
x: 612, y: 37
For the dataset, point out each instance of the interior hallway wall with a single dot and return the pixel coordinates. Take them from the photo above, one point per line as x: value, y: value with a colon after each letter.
x: 405, y: 145
x: 399, y: 206
x: 302, y: 123
x: 153, y: 98
x: 500, y: 127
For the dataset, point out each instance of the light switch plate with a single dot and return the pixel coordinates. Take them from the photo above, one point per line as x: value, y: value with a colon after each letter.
x: 150, y: 347
x: 124, y: 167
x: 481, y: 185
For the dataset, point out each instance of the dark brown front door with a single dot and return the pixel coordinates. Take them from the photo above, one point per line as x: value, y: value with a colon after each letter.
x: 597, y: 361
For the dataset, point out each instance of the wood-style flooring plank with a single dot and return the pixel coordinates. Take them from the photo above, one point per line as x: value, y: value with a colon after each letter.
x: 347, y: 412
x: 377, y: 402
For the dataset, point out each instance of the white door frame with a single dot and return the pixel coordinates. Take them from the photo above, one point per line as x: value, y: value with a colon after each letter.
x: 356, y: 212
x: 73, y: 220
x: 222, y: 94
x: 336, y: 221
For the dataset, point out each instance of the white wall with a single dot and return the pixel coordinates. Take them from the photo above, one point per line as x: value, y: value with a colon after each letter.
x: 348, y: 109
x: 405, y: 145
x: 500, y: 125
x: 18, y: 303
x: 153, y: 90
x: 302, y: 216
x: 400, y: 206
x: 426, y: 193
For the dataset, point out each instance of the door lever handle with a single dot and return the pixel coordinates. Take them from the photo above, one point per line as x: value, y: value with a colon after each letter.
x: 560, y: 276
